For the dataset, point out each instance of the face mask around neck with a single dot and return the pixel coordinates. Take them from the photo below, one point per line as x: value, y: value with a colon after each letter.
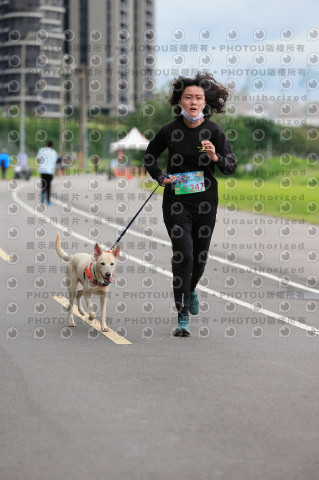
x: 190, y: 118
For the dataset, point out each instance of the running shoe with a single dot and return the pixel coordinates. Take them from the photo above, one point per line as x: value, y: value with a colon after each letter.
x: 182, y: 330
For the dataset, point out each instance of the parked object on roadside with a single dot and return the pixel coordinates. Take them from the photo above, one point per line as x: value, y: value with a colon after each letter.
x: 22, y: 170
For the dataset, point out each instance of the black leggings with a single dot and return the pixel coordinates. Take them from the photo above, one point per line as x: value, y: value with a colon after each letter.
x: 46, y: 180
x: 190, y: 230
x: 3, y: 171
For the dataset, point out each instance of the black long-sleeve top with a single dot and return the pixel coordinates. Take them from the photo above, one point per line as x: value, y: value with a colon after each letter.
x: 184, y: 144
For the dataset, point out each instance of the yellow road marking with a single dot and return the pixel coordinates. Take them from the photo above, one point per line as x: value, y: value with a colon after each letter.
x: 4, y: 255
x: 111, y: 334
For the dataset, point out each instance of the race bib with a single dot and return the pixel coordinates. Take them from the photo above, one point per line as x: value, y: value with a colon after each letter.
x: 189, y: 182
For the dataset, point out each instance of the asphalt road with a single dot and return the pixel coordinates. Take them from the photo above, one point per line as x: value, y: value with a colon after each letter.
x: 236, y: 400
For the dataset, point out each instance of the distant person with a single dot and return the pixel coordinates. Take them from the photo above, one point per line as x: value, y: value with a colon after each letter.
x: 60, y: 166
x: 47, y: 158
x: 4, y: 162
x: 95, y: 160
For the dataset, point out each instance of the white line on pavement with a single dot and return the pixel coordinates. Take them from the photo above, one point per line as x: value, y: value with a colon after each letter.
x: 251, y: 307
x: 168, y: 244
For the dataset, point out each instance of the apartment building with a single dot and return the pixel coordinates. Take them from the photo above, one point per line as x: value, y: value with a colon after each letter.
x: 55, y: 52
x: 114, y: 41
x: 31, y: 54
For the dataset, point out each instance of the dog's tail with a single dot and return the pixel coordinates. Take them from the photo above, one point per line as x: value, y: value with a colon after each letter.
x: 59, y: 250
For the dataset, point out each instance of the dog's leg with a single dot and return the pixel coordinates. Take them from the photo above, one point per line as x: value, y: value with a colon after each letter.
x: 72, y: 286
x: 87, y: 297
x: 103, y: 301
x: 78, y: 299
x: 70, y: 309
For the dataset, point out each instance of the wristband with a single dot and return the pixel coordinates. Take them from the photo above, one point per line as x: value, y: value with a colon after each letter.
x: 161, y: 178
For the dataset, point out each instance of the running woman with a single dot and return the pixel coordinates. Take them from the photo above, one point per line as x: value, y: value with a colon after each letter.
x: 196, y: 146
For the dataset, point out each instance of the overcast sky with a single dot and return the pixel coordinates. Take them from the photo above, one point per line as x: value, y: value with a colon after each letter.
x: 230, y: 37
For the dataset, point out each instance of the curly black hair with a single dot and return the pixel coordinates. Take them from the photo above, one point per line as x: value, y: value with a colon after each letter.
x: 215, y: 94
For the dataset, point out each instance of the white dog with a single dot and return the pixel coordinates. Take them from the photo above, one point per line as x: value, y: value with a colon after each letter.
x: 94, y: 275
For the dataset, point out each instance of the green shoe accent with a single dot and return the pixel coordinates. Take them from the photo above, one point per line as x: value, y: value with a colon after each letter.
x: 183, y: 327
x: 193, y: 303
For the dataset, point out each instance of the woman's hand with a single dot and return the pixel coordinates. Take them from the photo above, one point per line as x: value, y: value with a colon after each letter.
x: 210, y: 150
x: 168, y: 180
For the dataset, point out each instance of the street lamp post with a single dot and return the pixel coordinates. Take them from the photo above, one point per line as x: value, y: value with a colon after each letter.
x: 83, y: 141
x: 30, y: 36
x: 22, y: 99
x: 64, y: 75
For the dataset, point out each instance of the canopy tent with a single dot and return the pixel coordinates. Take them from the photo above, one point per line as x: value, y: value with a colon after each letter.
x: 134, y: 140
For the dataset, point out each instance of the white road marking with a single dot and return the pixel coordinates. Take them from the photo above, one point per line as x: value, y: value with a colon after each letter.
x: 167, y: 243
x: 163, y: 271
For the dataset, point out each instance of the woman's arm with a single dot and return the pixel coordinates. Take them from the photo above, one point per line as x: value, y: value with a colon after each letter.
x: 153, y: 151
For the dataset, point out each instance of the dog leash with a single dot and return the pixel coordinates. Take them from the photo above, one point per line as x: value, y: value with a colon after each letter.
x: 128, y: 226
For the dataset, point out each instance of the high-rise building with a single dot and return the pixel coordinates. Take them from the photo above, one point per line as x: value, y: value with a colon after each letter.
x: 113, y: 40
x: 31, y: 54
x: 55, y: 52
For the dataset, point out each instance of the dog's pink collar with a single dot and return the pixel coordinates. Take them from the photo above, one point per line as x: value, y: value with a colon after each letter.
x: 92, y: 279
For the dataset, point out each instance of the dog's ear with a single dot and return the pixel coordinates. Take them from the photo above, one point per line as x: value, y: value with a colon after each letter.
x: 116, y: 251
x: 97, y: 251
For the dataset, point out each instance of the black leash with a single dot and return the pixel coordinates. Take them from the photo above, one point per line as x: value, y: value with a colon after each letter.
x: 128, y: 226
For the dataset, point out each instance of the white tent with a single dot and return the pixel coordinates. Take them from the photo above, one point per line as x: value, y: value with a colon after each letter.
x: 134, y: 140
